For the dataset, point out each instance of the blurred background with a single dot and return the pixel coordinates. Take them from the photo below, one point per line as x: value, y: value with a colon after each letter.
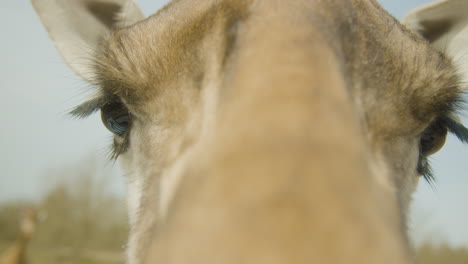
x: 53, y: 162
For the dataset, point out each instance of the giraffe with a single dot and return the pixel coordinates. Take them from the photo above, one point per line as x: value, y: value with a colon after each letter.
x: 268, y: 131
x: 17, y: 252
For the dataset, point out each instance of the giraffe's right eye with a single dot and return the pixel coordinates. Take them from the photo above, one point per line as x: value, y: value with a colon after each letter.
x: 116, y: 118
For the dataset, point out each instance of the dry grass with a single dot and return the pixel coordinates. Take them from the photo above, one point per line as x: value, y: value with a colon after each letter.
x: 428, y: 254
x: 84, y: 223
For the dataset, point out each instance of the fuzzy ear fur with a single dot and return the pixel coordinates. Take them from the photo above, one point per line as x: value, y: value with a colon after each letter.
x: 445, y: 25
x: 77, y: 26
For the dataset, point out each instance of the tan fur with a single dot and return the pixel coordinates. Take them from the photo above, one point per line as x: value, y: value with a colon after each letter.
x: 272, y: 131
x: 282, y: 174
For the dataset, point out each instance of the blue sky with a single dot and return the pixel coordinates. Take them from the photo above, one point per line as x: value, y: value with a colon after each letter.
x: 37, y: 136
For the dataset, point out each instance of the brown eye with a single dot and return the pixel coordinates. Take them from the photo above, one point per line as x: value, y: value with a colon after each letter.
x: 432, y: 139
x: 116, y: 118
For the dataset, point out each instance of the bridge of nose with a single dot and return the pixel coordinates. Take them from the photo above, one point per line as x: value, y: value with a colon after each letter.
x: 285, y: 89
x: 285, y: 165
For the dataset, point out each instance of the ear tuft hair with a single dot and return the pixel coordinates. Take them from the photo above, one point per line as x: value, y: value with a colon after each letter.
x: 77, y: 27
x: 445, y: 25
x: 129, y: 14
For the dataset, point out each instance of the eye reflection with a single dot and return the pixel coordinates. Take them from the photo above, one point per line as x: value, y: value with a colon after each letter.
x: 118, y: 125
x: 116, y: 118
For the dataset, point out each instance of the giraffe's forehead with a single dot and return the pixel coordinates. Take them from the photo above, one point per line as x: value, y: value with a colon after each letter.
x: 139, y: 62
x: 135, y: 62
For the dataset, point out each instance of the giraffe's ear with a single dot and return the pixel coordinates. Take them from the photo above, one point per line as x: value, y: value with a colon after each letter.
x: 77, y: 26
x: 445, y: 25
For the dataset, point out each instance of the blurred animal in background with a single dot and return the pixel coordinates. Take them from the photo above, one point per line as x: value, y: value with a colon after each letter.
x: 17, y: 252
x: 268, y: 131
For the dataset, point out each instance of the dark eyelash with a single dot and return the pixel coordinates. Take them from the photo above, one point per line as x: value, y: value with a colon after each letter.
x: 118, y: 148
x: 88, y: 108
x: 456, y: 128
x: 425, y: 169
x: 460, y: 131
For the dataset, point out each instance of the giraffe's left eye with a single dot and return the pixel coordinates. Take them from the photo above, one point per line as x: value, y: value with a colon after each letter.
x: 116, y: 118
x: 432, y: 139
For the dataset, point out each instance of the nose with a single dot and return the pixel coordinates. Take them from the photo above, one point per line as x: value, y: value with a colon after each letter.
x: 284, y: 176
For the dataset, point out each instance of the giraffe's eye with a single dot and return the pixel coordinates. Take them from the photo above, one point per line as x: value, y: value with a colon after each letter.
x: 432, y: 139
x: 116, y: 118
